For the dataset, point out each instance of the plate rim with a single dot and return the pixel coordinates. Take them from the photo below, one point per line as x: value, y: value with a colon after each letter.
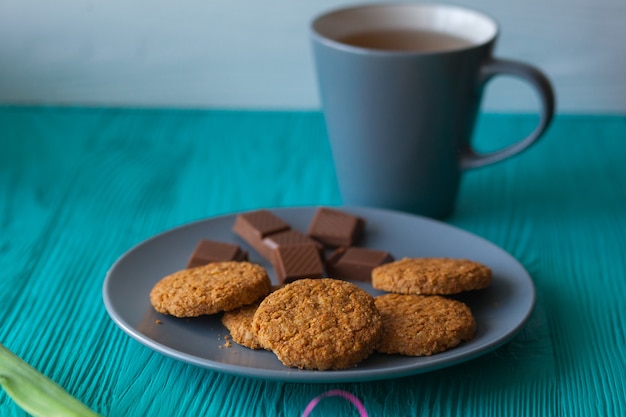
x: 439, y: 361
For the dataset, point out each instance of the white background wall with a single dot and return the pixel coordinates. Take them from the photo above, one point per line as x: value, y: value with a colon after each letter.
x: 256, y: 54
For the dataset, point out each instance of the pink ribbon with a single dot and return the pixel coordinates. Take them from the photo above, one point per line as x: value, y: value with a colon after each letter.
x: 335, y: 393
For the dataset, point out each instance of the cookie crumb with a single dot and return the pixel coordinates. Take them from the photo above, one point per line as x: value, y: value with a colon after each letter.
x: 227, y: 342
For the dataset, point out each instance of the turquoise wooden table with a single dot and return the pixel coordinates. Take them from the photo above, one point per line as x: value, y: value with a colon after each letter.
x: 79, y: 187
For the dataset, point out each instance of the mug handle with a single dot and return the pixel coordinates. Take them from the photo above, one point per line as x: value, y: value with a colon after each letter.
x: 470, y: 158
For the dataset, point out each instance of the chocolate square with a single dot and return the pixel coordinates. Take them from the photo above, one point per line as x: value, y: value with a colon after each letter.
x: 294, y: 262
x: 286, y: 238
x: 254, y: 226
x: 208, y: 251
x: 355, y: 263
x: 336, y: 228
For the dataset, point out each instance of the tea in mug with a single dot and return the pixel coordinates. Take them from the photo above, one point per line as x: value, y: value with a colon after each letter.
x: 406, y: 40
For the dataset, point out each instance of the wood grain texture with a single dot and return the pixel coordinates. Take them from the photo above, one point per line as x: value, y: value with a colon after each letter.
x: 244, y: 54
x: 78, y: 187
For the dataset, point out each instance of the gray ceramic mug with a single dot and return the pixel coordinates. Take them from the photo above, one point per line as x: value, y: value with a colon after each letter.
x: 401, y: 86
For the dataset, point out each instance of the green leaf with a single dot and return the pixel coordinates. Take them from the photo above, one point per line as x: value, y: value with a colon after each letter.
x: 34, y: 392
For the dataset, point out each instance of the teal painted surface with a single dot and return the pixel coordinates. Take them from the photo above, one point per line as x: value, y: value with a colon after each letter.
x: 78, y: 187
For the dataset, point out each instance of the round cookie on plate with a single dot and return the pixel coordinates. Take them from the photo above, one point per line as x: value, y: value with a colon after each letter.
x: 239, y: 324
x: 421, y: 325
x: 319, y: 324
x: 210, y: 289
x: 431, y: 276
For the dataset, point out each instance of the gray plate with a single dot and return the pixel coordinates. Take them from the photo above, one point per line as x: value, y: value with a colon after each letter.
x: 500, y: 311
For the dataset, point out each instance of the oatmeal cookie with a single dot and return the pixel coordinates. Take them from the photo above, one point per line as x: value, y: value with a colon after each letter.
x: 239, y: 324
x: 431, y: 276
x: 209, y: 289
x: 421, y: 325
x: 318, y: 324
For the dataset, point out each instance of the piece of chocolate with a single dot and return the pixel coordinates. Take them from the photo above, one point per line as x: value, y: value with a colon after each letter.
x: 207, y: 251
x: 286, y: 238
x: 336, y: 228
x: 255, y: 226
x: 294, y: 262
x: 355, y: 263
